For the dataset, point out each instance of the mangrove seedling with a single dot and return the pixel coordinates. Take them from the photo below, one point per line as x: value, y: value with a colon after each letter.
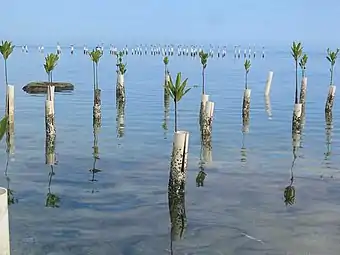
x: 302, y: 64
x: 120, y: 65
x: 121, y: 68
x: 6, y: 49
x: 95, y: 56
x: 51, y: 61
x: 119, y: 56
x: 116, y: 53
x: 296, y: 51
x: 177, y: 90
x: 331, y: 57
x: 204, y: 61
x: 166, y: 62
x: 247, y: 65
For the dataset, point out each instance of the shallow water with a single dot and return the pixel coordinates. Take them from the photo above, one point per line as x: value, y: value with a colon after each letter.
x: 239, y: 210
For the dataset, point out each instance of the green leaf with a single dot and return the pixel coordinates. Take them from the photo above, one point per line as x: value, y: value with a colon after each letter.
x: 186, y: 91
x: 204, y: 58
x: 247, y: 65
x: 6, y: 49
x: 3, y: 126
x: 51, y: 61
x: 296, y: 50
x: 95, y: 55
x: 166, y: 60
x: 303, y: 61
x: 121, y: 66
x: 177, y: 90
x: 332, y: 56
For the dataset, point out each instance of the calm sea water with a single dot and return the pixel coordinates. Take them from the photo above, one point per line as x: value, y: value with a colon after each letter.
x: 239, y: 210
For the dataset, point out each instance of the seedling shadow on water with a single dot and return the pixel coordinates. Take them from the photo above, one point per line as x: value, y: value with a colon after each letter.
x: 178, y: 218
x: 328, y: 142
x: 201, y: 166
x: 66, y: 93
x: 200, y: 176
x: 43, y: 94
x: 94, y: 170
x: 10, y: 193
x: 166, y: 107
x: 243, y: 149
x: 6, y: 128
x: 267, y: 106
x: 52, y: 199
x: 289, y: 191
x: 120, y: 118
x: 245, y: 131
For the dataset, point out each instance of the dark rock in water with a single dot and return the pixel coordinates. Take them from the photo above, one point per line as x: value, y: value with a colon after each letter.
x: 38, y: 87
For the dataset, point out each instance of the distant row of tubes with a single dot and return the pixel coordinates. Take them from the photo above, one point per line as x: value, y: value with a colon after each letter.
x: 167, y: 50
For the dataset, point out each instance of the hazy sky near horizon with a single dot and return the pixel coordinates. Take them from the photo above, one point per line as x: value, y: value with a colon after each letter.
x: 170, y: 21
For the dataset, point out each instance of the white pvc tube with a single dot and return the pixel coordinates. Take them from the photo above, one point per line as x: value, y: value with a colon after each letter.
x: 246, y: 105
x: 120, y: 89
x: 48, y: 107
x: 120, y: 118
x: 296, y: 140
x: 179, y: 159
x: 4, y: 223
x: 206, y: 154
x: 52, y: 90
x: 50, y: 97
x: 120, y: 79
x: 303, y: 90
x: 167, y: 78
x: 304, y: 80
x: 204, y: 98
x: 10, y: 98
x: 245, y: 128
x: 268, y: 83
x: 297, y: 110
x: 247, y: 93
x: 268, y: 106
x: 332, y: 90
x: 209, y: 109
x: 50, y: 93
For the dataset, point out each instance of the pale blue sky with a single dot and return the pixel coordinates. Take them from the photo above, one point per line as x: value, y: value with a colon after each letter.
x: 170, y: 21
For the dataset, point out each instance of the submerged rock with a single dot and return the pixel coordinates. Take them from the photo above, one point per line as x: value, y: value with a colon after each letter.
x: 41, y: 87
